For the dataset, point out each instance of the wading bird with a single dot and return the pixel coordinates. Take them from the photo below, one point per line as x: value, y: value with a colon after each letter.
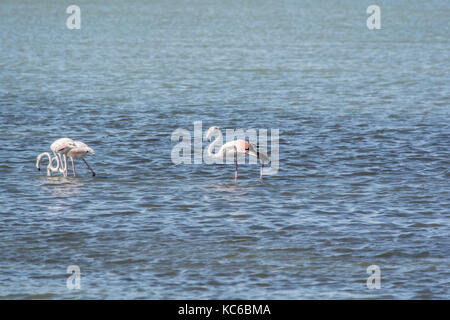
x: 65, y: 147
x: 237, y: 147
x: 79, y: 152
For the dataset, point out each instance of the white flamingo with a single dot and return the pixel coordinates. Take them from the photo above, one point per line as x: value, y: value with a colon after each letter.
x: 79, y: 152
x: 65, y: 147
x: 238, y: 146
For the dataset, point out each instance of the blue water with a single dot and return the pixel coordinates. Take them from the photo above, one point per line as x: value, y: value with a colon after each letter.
x: 363, y: 164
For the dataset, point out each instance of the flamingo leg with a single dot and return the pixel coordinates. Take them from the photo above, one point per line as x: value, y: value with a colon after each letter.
x: 89, y: 167
x: 236, y: 170
x: 65, y: 165
x: 73, y: 166
x: 261, y: 174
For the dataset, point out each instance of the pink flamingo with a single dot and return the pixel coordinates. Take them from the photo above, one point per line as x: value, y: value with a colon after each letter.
x: 238, y: 146
x: 65, y: 147
x: 79, y: 152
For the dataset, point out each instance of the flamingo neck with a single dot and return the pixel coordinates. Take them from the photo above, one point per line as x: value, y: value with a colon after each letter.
x: 50, y: 167
x: 59, y: 163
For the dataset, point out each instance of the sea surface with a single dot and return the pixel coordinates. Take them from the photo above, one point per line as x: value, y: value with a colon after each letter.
x: 364, y: 150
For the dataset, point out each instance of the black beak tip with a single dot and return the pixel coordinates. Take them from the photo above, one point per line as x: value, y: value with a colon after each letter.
x: 39, y: 169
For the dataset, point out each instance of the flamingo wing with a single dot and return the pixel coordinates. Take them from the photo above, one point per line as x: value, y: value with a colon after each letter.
x: 62, y: 144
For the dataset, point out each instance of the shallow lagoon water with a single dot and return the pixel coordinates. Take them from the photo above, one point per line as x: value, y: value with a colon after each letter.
x: 364, y: 150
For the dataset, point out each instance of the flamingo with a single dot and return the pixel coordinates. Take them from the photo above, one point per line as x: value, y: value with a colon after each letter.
x: 61, y: 147
x: 65, y: 147
x: 79, y: 152
x: 238, y: 146
x: 50, y: 167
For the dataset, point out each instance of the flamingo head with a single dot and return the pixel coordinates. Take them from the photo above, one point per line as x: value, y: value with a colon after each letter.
x: 89, y: 150
x: 210, y: 132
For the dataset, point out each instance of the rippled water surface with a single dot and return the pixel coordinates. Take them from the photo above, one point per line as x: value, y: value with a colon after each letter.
x: 364, y: 149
